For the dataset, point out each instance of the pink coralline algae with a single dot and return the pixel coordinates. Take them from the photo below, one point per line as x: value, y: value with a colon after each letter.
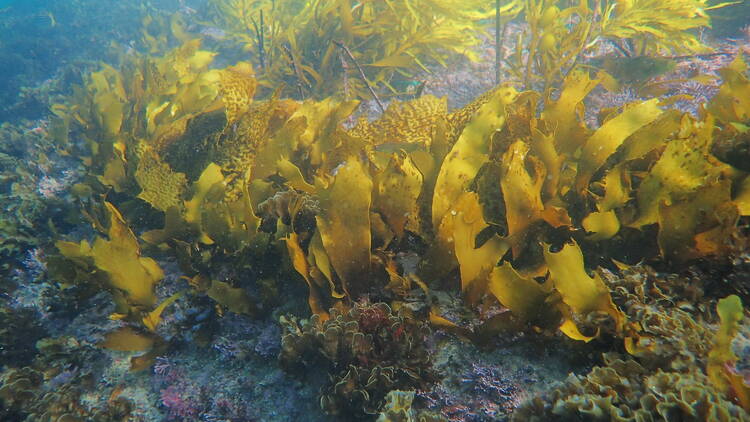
x: 180, y: 402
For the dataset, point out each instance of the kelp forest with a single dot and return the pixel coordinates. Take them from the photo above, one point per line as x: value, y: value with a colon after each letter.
x: 391, y: 210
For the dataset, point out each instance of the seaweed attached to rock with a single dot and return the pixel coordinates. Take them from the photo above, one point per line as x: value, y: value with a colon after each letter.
x: 369, y: 350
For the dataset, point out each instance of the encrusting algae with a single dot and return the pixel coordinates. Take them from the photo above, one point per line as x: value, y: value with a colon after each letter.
x: 516, y: 200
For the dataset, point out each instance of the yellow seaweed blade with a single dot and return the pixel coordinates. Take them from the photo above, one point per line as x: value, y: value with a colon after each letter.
x: 475, y: 263
x: 153, y: 318
x: 469, y: 153
x: 543, y: 146
x: 74, y: 251
x: 564, y: 117
x: 120, y: 258
x: 582, y: 293
x: 742, y: 197
x: 126, y: 339
x: 616, y: 190
x: 115, y: 174
x: 601, y: 224
x: 293, y: 175
x: 160, y: 186
x: 237, y: 87
x: 210, y: 176
x: 174, y: 226
x: 397, y: 190
x: 234, y: 298
x: 605, y: 141
x: 111, y: 111
x: 269, y: 155
x: 299, y: 261
x: 651, y: 136
x: 570, y: 329
x: 344, y: 224
x: 521, y: 192
x: 318, y: 257
x: 730, y: 312
x: 698, y: 225
x: 683, y: 167
x: 732, y: 103
x: 523, y: 296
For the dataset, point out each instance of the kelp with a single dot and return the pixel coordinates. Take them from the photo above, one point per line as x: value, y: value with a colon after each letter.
x: 130, y: 276
x: 295, y: 42
x: 510, y: 199
x: 643, y: 31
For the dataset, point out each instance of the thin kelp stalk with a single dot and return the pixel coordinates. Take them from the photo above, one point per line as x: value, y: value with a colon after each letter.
x: 341, y: 45
x: 497, y: 42
x: 576, y: 54
x: 345, y: 67
x: 296, y: 71
x: 533, y: 44
x: 259, y: 34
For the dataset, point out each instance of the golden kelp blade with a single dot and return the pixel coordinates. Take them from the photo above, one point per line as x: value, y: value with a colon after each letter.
x: 211, y: 176
x: 564, y: 117
x: 344, y: 224
x: 731, y: 313
x: 153, y: 318
x: 160, y: 186
x: 683, y: 167
x: 120, y: 258
x: 701, y: 224
x: 523, y: 296
x: 398, y: 187
x: 469, y: 153
x: 584, y: 294
x: 521, y: 192
x: 605, y: 141
x: 234, y: 298
x: 475, y: 263
x: 299, y: 261
x: 125, y: 339
x: 409, y: 122
x: 237, y: 88
x: 732, y: 103
x: 601, y: 225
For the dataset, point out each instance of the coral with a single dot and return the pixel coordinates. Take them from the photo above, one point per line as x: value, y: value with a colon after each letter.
x: 369, y: 351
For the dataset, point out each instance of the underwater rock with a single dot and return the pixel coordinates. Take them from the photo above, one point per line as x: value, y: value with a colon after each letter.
x: 20, y: 329
x: 733, y: 150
